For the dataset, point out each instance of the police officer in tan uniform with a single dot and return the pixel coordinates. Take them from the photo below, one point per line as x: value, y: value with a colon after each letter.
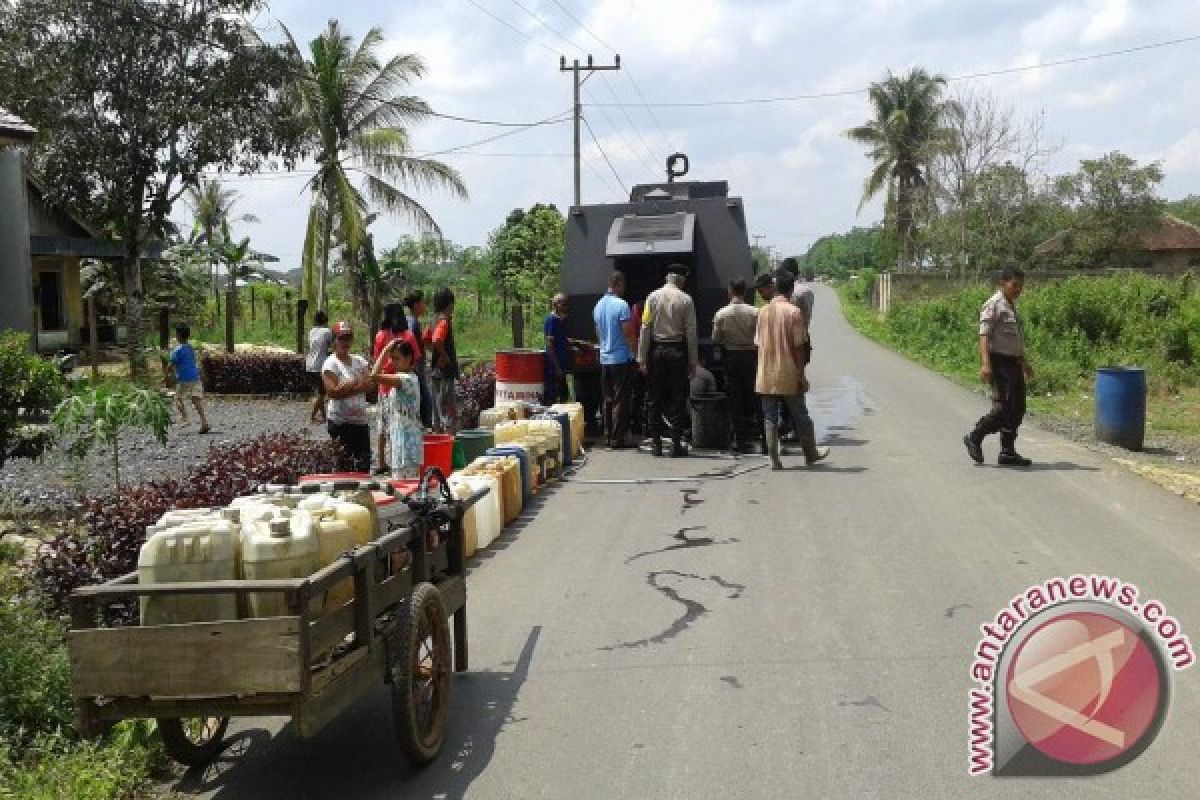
x: 1005, y: 368
x: 668, y: 352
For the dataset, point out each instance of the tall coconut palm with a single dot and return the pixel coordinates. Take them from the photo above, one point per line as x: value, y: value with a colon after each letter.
x: 212, y: 209
x: 904, y: 136
x: 350, y: 104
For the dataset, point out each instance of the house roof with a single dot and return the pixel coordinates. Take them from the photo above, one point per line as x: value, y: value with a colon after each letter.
x: 13, y: 127
x: 1172, y: 233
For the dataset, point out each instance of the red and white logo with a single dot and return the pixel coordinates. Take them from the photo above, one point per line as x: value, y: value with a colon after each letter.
x: 1084, y: 688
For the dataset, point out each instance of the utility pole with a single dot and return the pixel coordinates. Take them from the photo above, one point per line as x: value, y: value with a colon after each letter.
x: 589, y: 68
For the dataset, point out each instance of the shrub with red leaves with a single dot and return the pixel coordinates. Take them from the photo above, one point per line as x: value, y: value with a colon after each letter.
x: 254, y: 373
x: 475, y: 391
x: 106, y: 545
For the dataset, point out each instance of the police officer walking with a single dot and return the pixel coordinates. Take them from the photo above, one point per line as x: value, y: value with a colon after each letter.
x: 668, y: 352
x: 733, y: 330
x: 1005, y: 368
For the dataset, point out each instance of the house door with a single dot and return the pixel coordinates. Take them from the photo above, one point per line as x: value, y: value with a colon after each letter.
x: 50, y: 301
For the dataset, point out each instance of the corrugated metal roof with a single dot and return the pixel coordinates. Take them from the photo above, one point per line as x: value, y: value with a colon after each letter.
x: 15, y: 127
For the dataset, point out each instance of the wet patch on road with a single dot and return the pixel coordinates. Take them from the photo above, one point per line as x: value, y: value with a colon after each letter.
x: 685, y: 542
x: 834, y: 410
x: 950, y: 611
x: 692, y: 609
x: 870, y: 701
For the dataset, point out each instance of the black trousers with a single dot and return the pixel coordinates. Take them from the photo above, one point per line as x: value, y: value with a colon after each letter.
x: 741, y: 368
x: 1008, y: 401
x: 616, y: 382
x: 555, y: 390
x: 668, y: 388
x: 356, y: 446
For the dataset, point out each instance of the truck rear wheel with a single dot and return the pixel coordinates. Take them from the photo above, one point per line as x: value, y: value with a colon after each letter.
x: 421, y: 675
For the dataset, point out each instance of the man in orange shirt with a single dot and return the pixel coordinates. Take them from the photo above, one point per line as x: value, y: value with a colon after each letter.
x: 780, y: 335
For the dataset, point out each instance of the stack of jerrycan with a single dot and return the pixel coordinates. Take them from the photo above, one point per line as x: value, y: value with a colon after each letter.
x: 489, y: 418
x: 279, y: 546
x: 575, y: 411
x: 508, y: 470
x: 527, y: 467
x: 548, y: 435
x: 488, y: 520
x: 189, y: 547
x: 342, y: 525
x: 517, y: 433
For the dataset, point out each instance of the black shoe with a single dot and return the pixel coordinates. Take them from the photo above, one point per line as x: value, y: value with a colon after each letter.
x: 1012, y: 458
x: 974, y: 449
x: 656, y: 447
x: 678, y: 450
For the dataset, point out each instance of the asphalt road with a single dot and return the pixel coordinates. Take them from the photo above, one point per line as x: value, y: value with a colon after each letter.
x: 798, y: 634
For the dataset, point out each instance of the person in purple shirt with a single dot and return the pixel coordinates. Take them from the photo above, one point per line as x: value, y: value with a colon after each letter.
x: 555, y: 329
x: 616, y: 333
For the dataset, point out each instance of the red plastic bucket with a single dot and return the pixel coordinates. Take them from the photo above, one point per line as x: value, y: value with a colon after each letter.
x: 439, y: 452
x: 520, y: 376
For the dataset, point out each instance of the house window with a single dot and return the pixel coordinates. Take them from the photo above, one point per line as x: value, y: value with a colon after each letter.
x: 49, y: 293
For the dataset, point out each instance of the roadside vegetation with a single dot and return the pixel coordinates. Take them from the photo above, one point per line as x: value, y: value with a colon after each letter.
x: 1073, y: 326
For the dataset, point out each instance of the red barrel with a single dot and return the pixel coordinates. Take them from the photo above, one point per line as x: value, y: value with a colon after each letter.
x: 520, y: 376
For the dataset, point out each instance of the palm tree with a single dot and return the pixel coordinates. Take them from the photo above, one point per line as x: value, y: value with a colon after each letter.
x: 905, y: 135
x: 349, y: 104
x: 212, y: 208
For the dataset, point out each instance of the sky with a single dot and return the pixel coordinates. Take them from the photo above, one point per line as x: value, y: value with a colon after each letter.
x: 799, y: 176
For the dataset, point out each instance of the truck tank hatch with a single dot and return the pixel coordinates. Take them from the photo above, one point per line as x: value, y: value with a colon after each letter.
x: 635, y: 234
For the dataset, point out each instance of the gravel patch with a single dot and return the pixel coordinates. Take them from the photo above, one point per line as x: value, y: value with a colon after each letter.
x: 49, y: 486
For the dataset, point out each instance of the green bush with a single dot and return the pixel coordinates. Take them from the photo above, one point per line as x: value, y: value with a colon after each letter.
x: 34, y: 673
x: 1072, y: 327
x: 29, y: 386
x: 58, y: 767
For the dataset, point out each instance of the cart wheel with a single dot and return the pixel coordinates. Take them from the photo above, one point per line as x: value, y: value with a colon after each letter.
x: 421, y: 675
x: 194, y: 741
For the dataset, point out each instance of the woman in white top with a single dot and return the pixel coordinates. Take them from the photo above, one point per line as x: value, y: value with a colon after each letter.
x: 347, y: 380
x: 319, y: 340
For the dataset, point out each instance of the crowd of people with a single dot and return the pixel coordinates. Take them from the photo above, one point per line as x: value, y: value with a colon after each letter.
x: 649, y: 351
x: 764, y: 353
x: 413, y: 368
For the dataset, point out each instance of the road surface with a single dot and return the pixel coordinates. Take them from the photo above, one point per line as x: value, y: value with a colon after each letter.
x: 771, y: 635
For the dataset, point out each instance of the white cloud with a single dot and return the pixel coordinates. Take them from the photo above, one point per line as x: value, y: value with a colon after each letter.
x: 798, y: 175
x: 1183, y: 155
x: 1109, y: 20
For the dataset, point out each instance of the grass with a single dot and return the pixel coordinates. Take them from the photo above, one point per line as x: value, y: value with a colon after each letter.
x: 40, y: 757
x: 1175, y: 414
x: 1066, y: 386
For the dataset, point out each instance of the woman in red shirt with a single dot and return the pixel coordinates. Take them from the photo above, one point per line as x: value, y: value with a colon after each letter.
x: 394, y: 326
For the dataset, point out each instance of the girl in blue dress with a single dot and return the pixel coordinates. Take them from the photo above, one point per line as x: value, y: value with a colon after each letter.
x: 394, y: 367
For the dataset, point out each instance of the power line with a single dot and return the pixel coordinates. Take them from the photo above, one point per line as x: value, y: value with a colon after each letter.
x: 604, y: 154
x: 628, y: 73
x: 515, y: 29
x: 616, y: 128
x: 965, y: 77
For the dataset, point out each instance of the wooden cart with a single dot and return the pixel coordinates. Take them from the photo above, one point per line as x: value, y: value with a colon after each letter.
x: 310, y: 666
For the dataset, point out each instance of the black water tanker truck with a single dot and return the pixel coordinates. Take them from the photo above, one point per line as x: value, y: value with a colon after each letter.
x: 695, y: 223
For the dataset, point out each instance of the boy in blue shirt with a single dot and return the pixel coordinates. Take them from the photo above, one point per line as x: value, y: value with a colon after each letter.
x: 187, y: 376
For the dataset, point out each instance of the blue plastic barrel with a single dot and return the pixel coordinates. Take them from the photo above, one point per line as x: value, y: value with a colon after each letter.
x: 1121, y: 406
x: 523, y: 457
